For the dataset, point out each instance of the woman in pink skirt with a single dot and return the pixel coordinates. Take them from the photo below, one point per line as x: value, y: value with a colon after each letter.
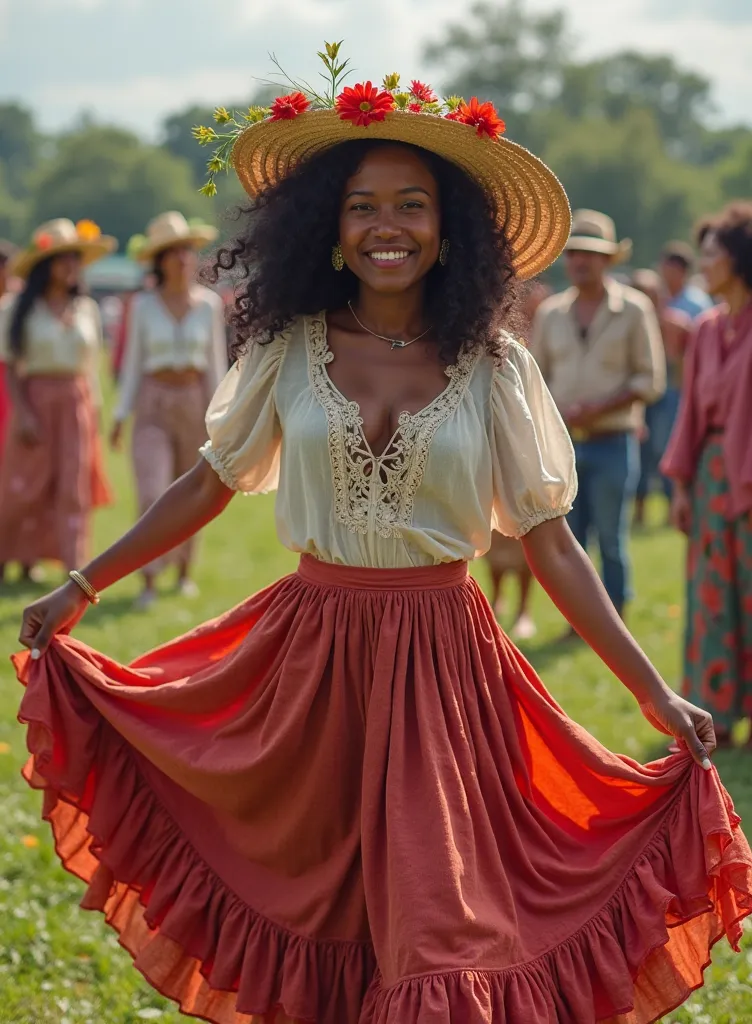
x: 350, y: 800
x: 51, y: 473
x: 175, y: 356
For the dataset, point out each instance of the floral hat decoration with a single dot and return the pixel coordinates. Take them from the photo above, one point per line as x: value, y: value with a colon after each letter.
x: 264, y: 144
x: 59, y: 236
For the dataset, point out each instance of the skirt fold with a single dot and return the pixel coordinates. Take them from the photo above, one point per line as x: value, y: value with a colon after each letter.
x: 350, y: 800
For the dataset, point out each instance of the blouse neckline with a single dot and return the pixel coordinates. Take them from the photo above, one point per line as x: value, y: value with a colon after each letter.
x: 67, y: 318
x: 377, y: 492
x: 325, y: 355
x: 178, y: 322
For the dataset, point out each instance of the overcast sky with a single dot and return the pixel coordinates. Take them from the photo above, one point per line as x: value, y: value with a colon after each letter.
x: 133, y: 61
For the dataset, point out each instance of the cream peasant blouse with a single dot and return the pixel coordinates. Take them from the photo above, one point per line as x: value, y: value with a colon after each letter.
x: 68, y: 347
x: 490, y: 451
x: 157, y: 341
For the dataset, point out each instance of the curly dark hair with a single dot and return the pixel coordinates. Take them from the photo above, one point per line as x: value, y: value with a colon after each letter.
x: 733, y: 229
x: 282, y: 258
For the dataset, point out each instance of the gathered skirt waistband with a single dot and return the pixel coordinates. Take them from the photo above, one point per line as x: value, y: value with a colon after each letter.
x: 356, y: 577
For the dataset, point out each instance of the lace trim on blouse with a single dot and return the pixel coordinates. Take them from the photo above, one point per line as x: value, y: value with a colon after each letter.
x: 377, y: 492
x: 219, y: 464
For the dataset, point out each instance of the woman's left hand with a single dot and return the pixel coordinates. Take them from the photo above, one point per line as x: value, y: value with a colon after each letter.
x: 692, y: 727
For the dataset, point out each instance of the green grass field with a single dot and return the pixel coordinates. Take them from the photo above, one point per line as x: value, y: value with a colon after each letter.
x: 59, y: 965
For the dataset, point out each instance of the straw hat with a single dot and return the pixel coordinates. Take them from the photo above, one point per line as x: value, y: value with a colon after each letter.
x: 596, y: 232
x: 59, y: 236
x: 170, y: 229
x: 264, y: 144
x: 532, y: 203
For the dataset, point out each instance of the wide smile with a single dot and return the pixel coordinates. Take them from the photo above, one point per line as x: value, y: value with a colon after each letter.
x: 389, y: 259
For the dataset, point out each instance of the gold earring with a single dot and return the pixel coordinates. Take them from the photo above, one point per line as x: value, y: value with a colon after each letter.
x: 444, y: 252
x: 338, y: 260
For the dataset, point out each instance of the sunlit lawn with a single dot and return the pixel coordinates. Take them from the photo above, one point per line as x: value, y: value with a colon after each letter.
x: 62, y: 966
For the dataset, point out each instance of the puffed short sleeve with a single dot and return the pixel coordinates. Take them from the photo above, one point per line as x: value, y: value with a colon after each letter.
x: 242, y: 422
x: 533, y: 459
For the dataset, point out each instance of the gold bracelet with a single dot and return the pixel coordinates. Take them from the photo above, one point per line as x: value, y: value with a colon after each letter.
x: 80, y: 580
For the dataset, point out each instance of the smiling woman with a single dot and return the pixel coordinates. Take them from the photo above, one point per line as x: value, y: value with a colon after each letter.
x: 350, y: 800
x: 376, y: 199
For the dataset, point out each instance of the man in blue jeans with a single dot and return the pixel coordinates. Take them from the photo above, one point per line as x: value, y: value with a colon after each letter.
x: 599, y: 348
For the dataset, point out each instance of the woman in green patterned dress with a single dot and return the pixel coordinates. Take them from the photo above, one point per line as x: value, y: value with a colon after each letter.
x: 709, y: 458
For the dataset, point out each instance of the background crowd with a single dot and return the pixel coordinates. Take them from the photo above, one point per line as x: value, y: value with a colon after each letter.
x: 643, y: 330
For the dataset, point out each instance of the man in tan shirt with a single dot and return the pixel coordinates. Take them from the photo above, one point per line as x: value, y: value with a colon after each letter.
x: 599, y: 347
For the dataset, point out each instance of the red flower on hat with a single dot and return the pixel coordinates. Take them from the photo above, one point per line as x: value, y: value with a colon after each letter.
x: 453, y: 115
x: 422, y: 92
x: 415, y: 108
x: 44, y: 241
x: 482, y: 116
x: 363, y: 104
x: 286, y: 108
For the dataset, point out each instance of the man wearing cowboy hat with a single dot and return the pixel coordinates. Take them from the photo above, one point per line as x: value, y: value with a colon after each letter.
x: 599, y: 347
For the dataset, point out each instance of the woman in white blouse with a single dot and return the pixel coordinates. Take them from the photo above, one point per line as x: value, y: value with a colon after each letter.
x: 350, y: 800
x: 51, y: 474
x: 175, y: 356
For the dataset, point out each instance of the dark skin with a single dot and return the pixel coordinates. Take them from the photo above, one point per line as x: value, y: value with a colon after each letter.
x: 384, y: 214
x: 587, y: 271
x: 400, y: 212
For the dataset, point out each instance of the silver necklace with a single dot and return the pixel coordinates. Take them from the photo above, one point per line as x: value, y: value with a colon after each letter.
x: 394, y: 342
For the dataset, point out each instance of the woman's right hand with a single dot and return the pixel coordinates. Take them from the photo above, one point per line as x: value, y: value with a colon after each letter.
x: 681, y: 510
x: 116, y: 436
x: 26, y: 427
x: 58, y: 612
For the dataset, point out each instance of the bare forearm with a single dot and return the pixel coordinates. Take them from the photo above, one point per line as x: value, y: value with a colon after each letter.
x: 189, y: 504
x: 16, y: 389
x: 568, y: 577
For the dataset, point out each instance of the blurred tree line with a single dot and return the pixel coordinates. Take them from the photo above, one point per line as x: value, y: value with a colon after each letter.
x: 628, y: 134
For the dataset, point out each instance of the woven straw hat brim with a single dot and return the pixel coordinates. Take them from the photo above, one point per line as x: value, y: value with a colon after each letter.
x: 619, y: 252
x: 197, y: 237
x: 532, y: 204
x: 25, y: 261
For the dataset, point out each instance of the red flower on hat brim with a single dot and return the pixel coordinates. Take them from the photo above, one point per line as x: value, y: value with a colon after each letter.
x: 362, y: 104
x: 481, y: 116
x: 287, y: 108
x: 422, y: 92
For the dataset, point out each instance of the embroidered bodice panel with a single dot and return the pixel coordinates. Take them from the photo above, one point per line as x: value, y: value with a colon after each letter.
x: 377, y: 492
x: 489, y: 450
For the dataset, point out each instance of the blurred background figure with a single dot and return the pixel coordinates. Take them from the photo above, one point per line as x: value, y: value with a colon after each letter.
x: 175, y: 356
x: 675, y: 268
x: 599, y: 347
x: 660, y: 416
x: 51, y: 475
x: 120, y: 333
x: 506, y: 555
x: 7, y: 251
x: 710, y: 460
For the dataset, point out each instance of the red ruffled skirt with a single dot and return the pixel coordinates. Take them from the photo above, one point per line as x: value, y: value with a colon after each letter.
x: 351, y: 799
